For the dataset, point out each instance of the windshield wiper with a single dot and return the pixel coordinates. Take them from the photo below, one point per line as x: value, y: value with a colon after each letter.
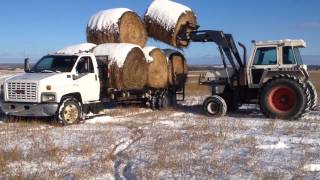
x: 50, y: 71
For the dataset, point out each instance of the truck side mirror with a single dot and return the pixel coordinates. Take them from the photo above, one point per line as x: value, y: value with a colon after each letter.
x: 27, y: 66
x: 74, y: 77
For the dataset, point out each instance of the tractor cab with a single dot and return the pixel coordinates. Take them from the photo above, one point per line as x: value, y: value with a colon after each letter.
x: 269, y: 58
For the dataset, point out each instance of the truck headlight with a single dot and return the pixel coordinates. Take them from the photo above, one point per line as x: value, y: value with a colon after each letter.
x: 48, y: 97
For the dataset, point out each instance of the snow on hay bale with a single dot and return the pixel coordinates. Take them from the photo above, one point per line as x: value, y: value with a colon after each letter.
x: 79, y: 48
x: 127, y: 65
x: 164, y: 19
x: 177, y: 66
x: 157, y: 67
x: 118, y: 25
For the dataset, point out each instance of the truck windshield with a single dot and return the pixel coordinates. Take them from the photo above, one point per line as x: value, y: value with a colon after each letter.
x: 50, y: 64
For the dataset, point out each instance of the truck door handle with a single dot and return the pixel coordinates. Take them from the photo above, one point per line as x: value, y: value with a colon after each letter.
x: 96, y: 77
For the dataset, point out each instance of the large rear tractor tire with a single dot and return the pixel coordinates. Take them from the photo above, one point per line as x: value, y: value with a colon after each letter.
x: 283, y: 98
x: 314, y: 95
x: 70, y: 111
x: 215, y: 106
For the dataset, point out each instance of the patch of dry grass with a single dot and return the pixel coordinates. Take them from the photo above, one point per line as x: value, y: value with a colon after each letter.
x: 9, y: 156
x: 315, y: 78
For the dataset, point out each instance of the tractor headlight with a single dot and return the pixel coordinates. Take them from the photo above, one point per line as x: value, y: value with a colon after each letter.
x: 48, y: 97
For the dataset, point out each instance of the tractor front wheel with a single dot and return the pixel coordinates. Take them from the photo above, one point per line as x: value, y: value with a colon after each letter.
x: 215, y: 106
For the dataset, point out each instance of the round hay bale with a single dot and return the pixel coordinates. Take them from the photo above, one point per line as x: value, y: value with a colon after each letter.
x: 127, y: 65
x: 157, y: 68
x: 164, y: 19
x: 118, y: 25
x: 177, y: 67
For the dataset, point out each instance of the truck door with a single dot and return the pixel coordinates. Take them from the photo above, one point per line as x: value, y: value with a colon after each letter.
x: 264, y: 59
x: 87, y: 80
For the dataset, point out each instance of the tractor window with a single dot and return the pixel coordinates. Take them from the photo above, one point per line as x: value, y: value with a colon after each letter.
x: 298, y: 56
x: 265, y: 56
x: 288, y: 55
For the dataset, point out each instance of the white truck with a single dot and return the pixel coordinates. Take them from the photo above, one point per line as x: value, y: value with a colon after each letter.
x: 65, y: 86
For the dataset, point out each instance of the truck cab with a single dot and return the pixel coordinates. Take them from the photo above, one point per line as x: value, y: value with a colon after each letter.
x: 43, y: 89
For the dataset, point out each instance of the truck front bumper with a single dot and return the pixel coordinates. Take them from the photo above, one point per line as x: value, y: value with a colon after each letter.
x: 29, y: 110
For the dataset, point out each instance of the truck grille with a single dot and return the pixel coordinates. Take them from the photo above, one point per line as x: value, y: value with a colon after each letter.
x: 22, y: 91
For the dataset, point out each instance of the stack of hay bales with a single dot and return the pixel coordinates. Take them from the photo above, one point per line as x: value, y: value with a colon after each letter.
x: 121, y: 35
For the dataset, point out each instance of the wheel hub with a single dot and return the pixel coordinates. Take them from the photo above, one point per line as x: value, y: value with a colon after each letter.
x: 213, y: 108
x: 71, y: 113
x: 283, y: 99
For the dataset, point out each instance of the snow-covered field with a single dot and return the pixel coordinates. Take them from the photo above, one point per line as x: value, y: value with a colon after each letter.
x: 180, y: 143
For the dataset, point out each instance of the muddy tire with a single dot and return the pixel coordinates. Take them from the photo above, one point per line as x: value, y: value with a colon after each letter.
x: 154, y: 104
x: 215, y: 106
x: 283, y: 98
x: 313, y: 95
x: 164, y: 101
x: 70, y: 111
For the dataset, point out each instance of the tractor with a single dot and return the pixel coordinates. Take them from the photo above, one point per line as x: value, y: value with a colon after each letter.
x: 274, y: 76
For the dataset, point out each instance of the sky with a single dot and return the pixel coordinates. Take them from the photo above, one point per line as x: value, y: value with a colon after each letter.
x: 33, y: 28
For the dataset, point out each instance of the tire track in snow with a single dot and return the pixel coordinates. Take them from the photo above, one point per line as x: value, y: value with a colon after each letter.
x: 122, y: 165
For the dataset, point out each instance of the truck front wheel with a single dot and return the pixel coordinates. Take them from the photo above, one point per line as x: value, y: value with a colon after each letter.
x: 70, y: 111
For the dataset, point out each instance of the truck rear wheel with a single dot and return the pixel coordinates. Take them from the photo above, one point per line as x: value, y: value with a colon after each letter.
x: 215, y: 106
x: 154, y: 102
x: 70, y: 111
x: 164, y: 101
x: 283, y: 98
x: 314, y: 95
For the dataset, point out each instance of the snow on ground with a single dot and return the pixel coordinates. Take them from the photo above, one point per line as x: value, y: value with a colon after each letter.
x: 279, y: 145
x: 179, y: 143
x: 101, y: 120
x: 312, y: 167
